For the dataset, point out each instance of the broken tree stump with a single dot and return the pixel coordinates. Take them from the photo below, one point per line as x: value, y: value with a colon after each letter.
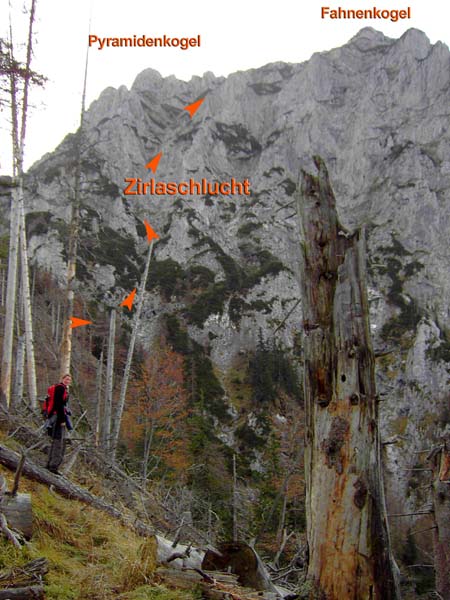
x: 18, y: 512
x: 440, y: 459
x: 16, y: 508
x: 347, y: 529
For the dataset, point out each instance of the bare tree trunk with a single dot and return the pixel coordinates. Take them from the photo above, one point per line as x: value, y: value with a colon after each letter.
x: 109, y: 382
x: 126, y: 374
x: 66, y: 343
x: 2, y: 284
x: 58, y: 323
x: 99, y: 396
x: 441, y: 504
x: 28, y: 321
x: 17, y: 212
x: 235, y: 501
x: 11, y: 292
x: 20, y: 363
x: 147, y: 449
x: 347, y: 529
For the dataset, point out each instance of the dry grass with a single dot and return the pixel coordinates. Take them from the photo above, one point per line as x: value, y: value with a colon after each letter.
x: 91, y: 556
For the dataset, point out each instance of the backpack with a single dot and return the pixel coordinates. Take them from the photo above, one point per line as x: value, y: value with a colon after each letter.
x: 47, y: 407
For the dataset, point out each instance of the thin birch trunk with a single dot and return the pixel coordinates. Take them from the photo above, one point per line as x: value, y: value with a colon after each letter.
x: 126, y: 375
x: 11, y: 291
x: 347, y: 527
x: 20, y: 364
x: 147, y: 449
x: 109, y: 382
x: 66, y: 343
x: 99, y: 396
x: 3, y: 284
x: 52, y: 318
x: 58, y: 323
x: 235, y: 501
x: 17, y: 215
x: 28, y: 321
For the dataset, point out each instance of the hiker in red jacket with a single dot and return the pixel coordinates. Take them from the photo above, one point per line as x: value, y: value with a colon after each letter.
x: 57, y: 423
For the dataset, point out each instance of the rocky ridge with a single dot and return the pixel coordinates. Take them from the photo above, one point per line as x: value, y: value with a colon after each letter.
x: 377, y: 111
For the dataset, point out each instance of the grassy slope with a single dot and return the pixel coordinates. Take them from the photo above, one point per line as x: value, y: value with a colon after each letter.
x: 91, y: 556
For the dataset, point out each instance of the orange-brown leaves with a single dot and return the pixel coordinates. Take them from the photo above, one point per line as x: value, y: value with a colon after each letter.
x: 157, y: 412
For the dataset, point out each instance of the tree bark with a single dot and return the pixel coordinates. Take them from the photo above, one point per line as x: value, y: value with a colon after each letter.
x: 66, y: 343
x: 98, y: 405
x: 18, y: 513
x: 126, y: 374
x: 441, y: 504
x: 27, y: 312
x: 17, y: 218
x: 18, y: 377
x: 11, y: 290
x: 347, y: 529
x: 106, y: 429
x: 34, y: 592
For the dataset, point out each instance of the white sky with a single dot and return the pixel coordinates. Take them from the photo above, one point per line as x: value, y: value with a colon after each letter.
x: 235, y: 35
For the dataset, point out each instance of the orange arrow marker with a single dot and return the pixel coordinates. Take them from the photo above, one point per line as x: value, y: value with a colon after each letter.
x: 75, y: 322
x: 128, y: 302
x: 193, y: 108
x: 153, y: 164
x: 151, y: 233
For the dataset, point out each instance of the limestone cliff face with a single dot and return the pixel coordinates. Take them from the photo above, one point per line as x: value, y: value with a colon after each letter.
x: 376, y: 110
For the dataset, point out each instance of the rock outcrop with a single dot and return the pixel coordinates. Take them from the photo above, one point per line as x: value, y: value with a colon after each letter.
x: 376, y: 111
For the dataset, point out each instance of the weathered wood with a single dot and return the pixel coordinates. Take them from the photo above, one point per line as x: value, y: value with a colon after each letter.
x: 18, y: 512
x: 348, y: 539
x: 66, y: 488
x: 26, y: 575
x: 35, y: 592
x: 213, y: 584
x: 243, y: 561
x: 10, y: 535
x: 440, y: 458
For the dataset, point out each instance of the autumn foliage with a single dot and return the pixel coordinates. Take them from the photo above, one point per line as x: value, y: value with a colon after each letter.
x: 155, y: 420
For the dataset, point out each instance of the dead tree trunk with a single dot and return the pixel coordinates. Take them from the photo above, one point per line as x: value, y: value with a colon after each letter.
x: 106, y: 428
x: 441, y: 503
x: 126, y: 374
x: 20, y: 365
x: 348, y: 538
x: 74, y: 230
x: 98, y: 405
x: 11, y: 290
x: 27, y: 312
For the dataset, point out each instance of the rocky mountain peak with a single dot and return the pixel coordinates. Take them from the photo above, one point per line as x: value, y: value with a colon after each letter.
x: 375, y: 110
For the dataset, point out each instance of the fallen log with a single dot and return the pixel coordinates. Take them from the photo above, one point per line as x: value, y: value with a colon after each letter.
x: 27, y: 575
x: 213, y: 584
x: 66, y: 488
x: 243, y: 561
x: 35, y: 592
x: 97, y: 460
x: 189, y: 557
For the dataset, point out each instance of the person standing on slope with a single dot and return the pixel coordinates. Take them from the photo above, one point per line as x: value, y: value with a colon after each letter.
x: 58, y: 422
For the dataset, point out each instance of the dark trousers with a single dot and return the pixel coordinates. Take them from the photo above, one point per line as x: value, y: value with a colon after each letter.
x: 57, y: 447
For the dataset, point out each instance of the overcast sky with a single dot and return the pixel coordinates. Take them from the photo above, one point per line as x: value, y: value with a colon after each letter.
x: 235, y: 35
